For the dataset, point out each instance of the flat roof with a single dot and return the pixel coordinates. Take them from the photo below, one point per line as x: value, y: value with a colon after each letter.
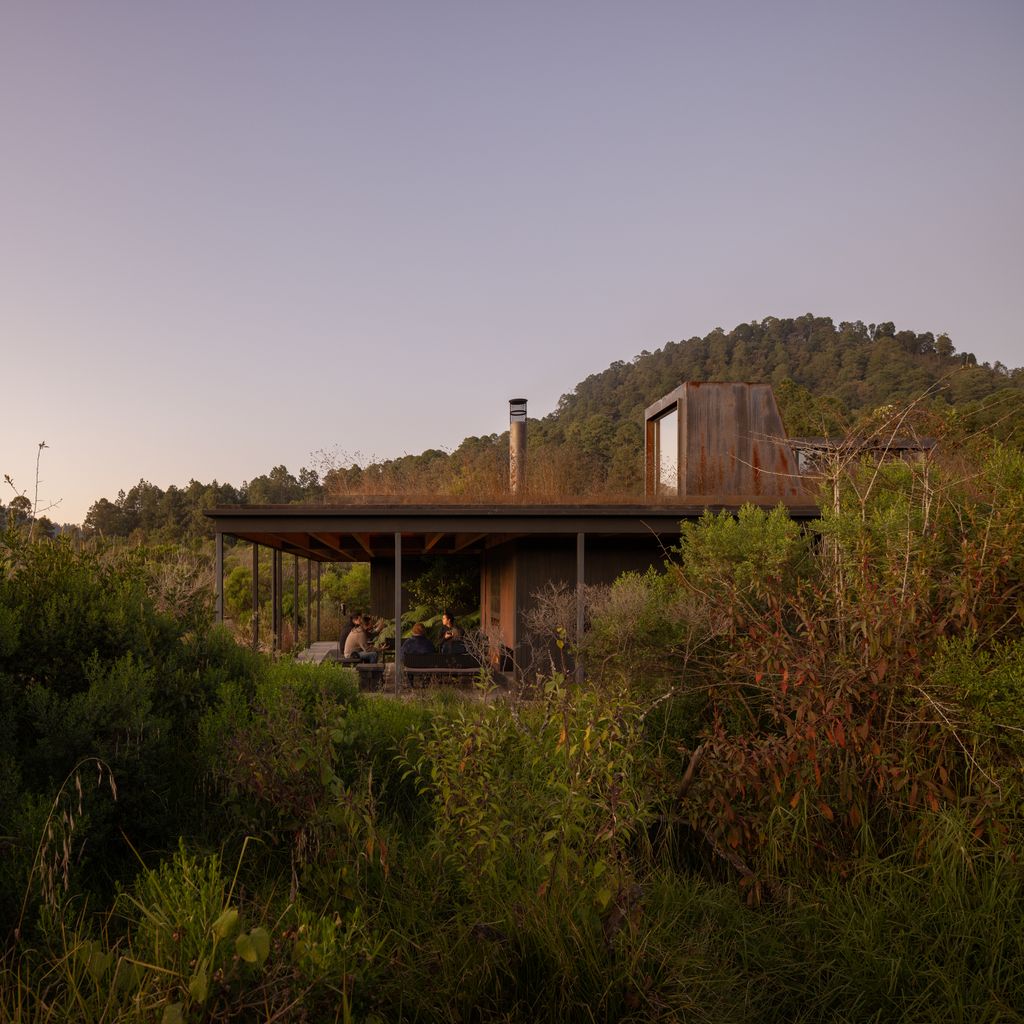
x: 357, y: 532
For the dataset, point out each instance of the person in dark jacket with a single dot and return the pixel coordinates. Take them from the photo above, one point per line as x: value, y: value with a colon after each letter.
x: 454, y: 644
x: 418, y: 642
x: 447, y: 625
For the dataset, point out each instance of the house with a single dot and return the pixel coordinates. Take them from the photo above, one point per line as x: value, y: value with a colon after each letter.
x: 709, y: 447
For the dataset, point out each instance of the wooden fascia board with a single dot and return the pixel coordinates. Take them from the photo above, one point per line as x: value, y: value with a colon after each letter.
x: 643, y: 520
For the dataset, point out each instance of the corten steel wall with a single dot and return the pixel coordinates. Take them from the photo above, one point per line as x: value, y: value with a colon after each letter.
x: 731, y: 442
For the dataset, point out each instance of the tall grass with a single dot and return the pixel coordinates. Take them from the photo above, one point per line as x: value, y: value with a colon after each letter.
x: 620, y: 933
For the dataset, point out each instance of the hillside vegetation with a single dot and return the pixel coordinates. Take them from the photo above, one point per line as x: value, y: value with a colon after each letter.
x: 827, y: 380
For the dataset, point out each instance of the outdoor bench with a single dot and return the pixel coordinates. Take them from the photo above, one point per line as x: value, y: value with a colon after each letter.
x: 319, y: 652
x: 431, y: 668
x: 418, y: 669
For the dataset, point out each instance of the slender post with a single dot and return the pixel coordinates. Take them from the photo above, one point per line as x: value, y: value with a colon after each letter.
x: 318, y: 602
x: 580, y: 580
x: 295, y: 602
x: 275, y: 598
x: 309, y: 602
x: 280, y: 600
x: 398, y: 611
x: 218, y: 571
x: 255, y: 597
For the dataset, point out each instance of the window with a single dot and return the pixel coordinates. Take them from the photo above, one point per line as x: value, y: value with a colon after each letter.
x: 666, y: 452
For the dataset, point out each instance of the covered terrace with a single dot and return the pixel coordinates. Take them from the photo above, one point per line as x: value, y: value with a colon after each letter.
x: 520, y: 547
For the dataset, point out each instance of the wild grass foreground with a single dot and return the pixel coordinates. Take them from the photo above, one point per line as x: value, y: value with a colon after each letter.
x: 790, y: 790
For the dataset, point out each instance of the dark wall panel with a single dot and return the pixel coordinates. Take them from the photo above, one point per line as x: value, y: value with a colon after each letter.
x: 382, y: 584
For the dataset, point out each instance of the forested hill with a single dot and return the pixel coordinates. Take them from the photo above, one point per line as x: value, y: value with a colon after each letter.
x: 856, y: 367
x: 825, y: 375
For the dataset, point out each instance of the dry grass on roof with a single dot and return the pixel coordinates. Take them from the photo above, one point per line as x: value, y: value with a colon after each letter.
x: 555, y: 474
x: 491, y: 498
x: 451, y: 482
x: 553, y: 477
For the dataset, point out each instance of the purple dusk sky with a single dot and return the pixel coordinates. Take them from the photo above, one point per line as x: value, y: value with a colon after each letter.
x: 236, y: 233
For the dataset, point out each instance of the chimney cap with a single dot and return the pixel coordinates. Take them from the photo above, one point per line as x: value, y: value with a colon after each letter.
x: 517, y: 408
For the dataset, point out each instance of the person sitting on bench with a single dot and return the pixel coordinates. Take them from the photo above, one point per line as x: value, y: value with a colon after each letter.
x: 346, y: 627
x: 454, y: 644
x: 357, y: 643
x: 418, y: 642
x: 447, y: 624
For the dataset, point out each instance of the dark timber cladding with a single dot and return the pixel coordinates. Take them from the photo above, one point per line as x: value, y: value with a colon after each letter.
x: 520, y: 548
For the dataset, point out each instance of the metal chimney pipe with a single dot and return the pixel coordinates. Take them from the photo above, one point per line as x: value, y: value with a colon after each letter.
x: 516, y: 445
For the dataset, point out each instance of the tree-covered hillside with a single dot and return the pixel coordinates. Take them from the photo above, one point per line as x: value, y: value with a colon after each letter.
x: 850, y: 369
x: 826, y: 377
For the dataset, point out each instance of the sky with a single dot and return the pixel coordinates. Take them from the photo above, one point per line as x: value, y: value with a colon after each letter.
x: 234, y: 235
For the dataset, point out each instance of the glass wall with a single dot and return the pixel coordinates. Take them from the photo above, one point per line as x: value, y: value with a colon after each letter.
x: 666, y: 448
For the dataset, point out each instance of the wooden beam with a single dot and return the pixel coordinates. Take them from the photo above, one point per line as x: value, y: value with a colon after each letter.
x: 298, y: 544
x: 330, y: 541
x: 363, y: 540
x: 335, y: 545
x: 430, y: 541
x: 464, y: 540
x: 497, y: 539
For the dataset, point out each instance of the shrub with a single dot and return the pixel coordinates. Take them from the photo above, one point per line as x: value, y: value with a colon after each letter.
x: 90, y: 666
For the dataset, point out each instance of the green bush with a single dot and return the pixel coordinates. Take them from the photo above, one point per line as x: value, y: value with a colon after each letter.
x: 989, y: 684
x: 370, y: 739
x: 92, y: 667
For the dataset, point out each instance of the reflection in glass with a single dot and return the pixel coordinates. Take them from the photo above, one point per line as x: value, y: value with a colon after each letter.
x: 667, y: 446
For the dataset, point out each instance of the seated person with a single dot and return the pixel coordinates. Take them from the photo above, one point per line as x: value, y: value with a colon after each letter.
x: 418, y: 642
x: 346, y: 627
x: 447, y: 625
x: 454, y: 644
x: 357, y: 643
